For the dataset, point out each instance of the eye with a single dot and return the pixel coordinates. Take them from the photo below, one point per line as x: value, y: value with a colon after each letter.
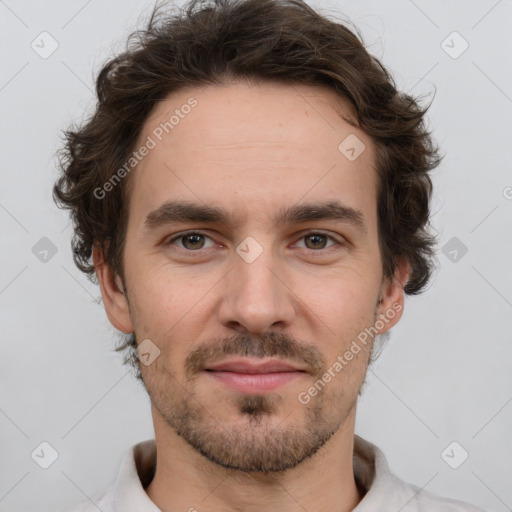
x: 194, y: 241
x: 191, y: 241
x: 317, y: 241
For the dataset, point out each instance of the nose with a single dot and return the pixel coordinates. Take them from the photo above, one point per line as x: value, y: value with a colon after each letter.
x: 256, y: 297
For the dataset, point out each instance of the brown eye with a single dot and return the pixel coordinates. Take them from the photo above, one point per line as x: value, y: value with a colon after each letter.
x: 193, y: 241
x: 316, y: 241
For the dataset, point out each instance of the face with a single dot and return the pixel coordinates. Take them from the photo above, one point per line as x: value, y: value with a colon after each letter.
x: 251, y: 242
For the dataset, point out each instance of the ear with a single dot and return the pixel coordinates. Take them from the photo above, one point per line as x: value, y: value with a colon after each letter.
x: 114, y: 298
x: 391, y: 304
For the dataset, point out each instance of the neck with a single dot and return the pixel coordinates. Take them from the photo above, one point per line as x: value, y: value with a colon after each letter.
x: 186, y: 480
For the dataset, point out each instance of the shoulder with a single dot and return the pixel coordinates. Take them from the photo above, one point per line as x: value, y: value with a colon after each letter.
x: 101, y: 501
x: 417, y: 499
x: 426, y: 501
x: 127, y: 492
x: 385, y: 490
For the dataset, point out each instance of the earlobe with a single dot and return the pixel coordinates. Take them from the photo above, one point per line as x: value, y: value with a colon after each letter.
x: 391, y: 303
x: 113, y: 293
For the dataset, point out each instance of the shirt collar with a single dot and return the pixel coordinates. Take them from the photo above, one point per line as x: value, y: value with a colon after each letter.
x: 137, y: 470
x: 371, y: 473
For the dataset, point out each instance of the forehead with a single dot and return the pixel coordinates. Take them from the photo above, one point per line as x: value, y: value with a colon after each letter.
x: 253, y: 147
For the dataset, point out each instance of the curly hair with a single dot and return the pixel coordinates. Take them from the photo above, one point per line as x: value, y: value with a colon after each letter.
x: 206, y: 42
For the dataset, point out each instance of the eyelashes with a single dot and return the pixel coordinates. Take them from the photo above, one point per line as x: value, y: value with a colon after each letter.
x: 185, y: 236
x: 194, y: 238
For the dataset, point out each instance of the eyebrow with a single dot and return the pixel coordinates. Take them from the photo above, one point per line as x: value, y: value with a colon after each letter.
x: 182, y: 211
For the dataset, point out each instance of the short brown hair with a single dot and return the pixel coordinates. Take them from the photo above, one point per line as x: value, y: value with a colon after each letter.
x: 283, y: 40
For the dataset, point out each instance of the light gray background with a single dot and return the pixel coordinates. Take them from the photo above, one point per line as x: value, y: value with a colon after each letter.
x: 445, y: 374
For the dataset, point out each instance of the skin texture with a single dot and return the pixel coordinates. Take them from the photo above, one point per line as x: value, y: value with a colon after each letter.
x: 252, y: 149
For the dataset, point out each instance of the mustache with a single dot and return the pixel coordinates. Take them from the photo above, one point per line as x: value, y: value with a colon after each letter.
x: 271, y: 344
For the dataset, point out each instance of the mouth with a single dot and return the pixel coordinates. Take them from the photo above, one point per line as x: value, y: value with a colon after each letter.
x: 254, y: 376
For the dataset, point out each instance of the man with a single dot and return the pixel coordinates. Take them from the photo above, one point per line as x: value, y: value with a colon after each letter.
x: 252, y: 194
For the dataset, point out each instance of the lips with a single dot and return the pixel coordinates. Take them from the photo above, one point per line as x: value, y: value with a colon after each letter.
x: 253, y: 376
x: 254, y: 367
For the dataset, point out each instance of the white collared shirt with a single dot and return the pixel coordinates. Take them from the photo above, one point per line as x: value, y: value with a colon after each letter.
x: 384, y: 491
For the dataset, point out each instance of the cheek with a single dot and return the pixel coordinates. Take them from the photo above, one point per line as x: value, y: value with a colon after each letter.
x: 169, y: 309
x: 345, y: 295
x: 342, y: 307
x: 161, y: 291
